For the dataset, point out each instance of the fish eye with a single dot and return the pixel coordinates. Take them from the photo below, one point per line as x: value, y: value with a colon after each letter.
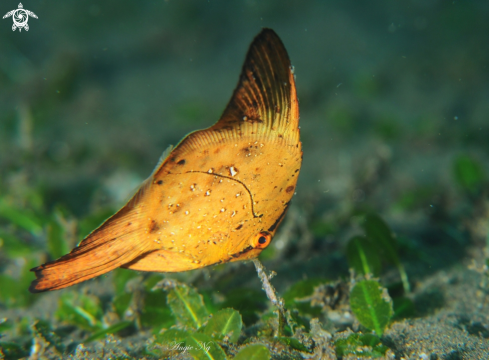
x: 262, y: 240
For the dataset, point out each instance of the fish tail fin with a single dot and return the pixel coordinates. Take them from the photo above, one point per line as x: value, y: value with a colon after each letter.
x: 116, y: 242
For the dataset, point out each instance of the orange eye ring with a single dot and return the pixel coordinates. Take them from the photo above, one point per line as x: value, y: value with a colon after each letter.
x: 262, y: 240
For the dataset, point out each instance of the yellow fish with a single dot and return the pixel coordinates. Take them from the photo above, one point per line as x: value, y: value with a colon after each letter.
x: 218, y: 196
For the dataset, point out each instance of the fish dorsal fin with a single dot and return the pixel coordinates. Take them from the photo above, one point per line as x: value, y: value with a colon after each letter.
x: 264, y: 105
x: 266, y: 93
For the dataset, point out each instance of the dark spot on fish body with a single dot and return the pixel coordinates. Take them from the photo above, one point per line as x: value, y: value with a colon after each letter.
x: 239, y: 226
x: 289, y: 189
x: 217, y: 151
x: 159, y: 182
x: 153, y: 226
x: 181, y: 162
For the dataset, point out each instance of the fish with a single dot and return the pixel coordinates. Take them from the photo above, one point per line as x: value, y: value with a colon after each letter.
x: 216, y: 197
